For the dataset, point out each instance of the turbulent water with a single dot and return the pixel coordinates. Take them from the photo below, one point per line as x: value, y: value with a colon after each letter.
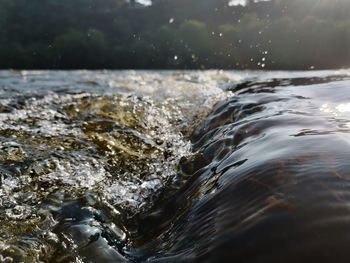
x: 197, y: 166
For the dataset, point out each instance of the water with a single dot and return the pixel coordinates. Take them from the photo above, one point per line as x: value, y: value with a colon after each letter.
x: 197, y: 166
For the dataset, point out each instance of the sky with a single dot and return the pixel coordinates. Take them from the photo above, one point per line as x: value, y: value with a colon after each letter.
x: 145, y: 2
x: 237, y: 2
x: 230, y: 2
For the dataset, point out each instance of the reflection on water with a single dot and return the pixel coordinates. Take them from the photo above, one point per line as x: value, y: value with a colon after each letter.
x: 174, y: 166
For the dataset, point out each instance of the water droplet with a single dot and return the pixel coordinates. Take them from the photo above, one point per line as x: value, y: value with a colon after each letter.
x: 175, y: 57
x: 171, y: 20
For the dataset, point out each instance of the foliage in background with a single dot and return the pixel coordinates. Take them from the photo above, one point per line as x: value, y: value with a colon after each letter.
x: 188, y: 34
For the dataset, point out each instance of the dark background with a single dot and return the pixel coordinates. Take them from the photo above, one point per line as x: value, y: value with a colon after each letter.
x: 174, y: 34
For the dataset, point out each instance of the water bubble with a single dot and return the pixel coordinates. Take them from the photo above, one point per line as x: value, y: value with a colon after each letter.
x: 6, y: 259
x: 171, y: 20
x: 176, y: 57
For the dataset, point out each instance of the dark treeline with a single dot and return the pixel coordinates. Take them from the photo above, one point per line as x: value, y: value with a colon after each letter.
x: 187, y: 34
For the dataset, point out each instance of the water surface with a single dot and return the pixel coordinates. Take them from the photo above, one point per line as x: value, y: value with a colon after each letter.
x: 196, y: 166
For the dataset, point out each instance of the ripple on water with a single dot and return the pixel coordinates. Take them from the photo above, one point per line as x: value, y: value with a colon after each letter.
x: 268, y: 181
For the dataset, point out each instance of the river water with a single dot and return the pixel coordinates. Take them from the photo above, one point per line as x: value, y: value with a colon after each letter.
x: 174, y: 166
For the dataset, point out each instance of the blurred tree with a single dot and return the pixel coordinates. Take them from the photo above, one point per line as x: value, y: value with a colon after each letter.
x: 276, y: 34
